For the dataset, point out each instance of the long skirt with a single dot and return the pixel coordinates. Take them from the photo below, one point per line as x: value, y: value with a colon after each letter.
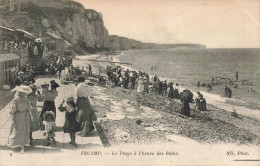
x: 48, y: 106
x: 85, y: 116
x: 36, y: 123
x: 185, y: 109
x: 202, y: 105
x: 146, y: 88
x: 19, y: 133
x: 171, y: 94
x: 71, y: 125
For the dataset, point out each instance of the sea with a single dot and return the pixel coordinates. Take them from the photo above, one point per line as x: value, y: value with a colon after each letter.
x: 187, y: 66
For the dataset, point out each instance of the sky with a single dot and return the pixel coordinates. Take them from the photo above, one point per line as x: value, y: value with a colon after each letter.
x: 214, y: 23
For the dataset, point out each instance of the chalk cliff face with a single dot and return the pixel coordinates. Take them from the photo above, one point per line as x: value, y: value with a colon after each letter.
x: 70, y: 20
x: 122, y: 43
x: 86, y: 25
x: 67, y: 19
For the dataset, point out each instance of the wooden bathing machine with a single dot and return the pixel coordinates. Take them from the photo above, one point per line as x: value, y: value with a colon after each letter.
x: 9, y: 65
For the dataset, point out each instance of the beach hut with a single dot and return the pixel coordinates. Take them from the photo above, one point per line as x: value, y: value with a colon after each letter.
x: 9, y: 64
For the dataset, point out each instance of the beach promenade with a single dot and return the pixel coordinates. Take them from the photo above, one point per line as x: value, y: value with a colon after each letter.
x: 62, y: 139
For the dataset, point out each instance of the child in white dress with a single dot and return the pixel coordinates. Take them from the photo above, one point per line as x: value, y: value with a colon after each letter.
x: 49, y: 124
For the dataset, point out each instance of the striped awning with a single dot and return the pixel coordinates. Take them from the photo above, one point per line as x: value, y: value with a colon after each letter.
x: 8, y: 57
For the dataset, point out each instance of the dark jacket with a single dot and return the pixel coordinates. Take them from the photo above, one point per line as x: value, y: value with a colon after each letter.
x: 18, y: 81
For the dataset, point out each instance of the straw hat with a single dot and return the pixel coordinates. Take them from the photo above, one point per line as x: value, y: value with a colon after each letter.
x: 49, y: 113
x: 38, y: 40
x: 23, y: 88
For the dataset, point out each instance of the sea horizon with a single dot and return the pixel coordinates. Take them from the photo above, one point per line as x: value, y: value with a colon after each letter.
x: 164, y: 63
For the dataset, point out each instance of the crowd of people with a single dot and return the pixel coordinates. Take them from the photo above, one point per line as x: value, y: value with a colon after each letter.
x: 142, y: 82
x: 36, y: 48
x: 49, y: 66
x: 52, y: 64
x: 26, y: 77
x: 79, y: 115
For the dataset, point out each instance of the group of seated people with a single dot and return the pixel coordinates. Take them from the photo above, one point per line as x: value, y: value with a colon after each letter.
x: 26, y: 77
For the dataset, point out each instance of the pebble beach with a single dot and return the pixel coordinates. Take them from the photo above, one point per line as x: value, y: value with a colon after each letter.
x: 131, y: 117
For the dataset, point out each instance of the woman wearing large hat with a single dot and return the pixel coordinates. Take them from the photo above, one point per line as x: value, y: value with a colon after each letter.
x: 50, y: 96
x: 21, y: 117
x: 85, y: 111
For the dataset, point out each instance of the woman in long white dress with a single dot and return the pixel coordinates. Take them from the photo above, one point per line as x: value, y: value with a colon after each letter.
x: 21, y: 118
